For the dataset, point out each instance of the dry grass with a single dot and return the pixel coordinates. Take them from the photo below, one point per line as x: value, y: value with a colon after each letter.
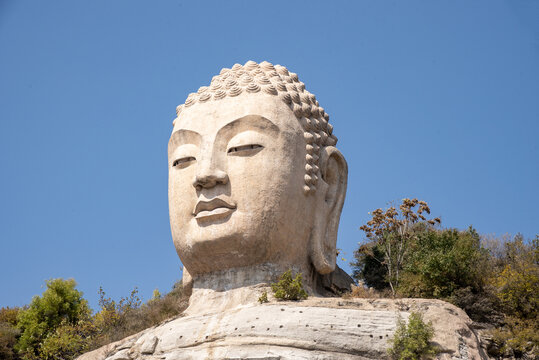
x: 367, y: 293
x: 135, y: 320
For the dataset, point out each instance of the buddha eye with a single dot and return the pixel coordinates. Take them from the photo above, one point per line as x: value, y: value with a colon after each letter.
x: 244, y: 149
x: 183, y: 162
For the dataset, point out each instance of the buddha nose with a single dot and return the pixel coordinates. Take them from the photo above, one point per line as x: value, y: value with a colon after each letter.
x: 208, y: 177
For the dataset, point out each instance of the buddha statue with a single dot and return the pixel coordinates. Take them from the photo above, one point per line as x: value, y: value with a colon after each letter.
x: 256, y: 187
x: 256, y: 184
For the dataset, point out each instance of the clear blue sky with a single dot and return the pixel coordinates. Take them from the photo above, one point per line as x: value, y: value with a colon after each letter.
x: 431, y: 99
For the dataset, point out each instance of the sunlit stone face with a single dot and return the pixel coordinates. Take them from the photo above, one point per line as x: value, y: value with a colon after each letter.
x: 236, y: 176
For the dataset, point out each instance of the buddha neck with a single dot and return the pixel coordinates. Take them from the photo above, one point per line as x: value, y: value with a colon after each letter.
x: 222, y: 290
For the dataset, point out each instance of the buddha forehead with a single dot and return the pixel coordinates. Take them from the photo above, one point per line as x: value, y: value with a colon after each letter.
x: 208, y: 118
x: 230, y: 93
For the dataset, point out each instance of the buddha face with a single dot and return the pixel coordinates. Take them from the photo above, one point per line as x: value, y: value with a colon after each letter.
x: 236, y: 176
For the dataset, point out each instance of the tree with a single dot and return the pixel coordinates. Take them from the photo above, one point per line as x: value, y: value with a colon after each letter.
x: 518, y: 279
x: 368, y: 269
x: 391, y: 233
x: 60, y: 304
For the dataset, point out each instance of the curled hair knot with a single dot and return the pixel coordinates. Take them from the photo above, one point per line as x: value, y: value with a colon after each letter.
x: 286, y: 98
x: 219, y: 94
x: 234, y: 91
x: 281, y: 86
x: 253, y: 88
x: 204, y: 97
x: 270, y: 89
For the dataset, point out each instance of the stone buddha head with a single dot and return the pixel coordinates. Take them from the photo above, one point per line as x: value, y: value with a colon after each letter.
x: 255, y: 179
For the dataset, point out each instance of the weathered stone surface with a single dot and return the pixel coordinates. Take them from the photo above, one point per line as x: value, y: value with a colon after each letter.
x: 148, y: 347
x: 120, y: 355
x: 318, y: 328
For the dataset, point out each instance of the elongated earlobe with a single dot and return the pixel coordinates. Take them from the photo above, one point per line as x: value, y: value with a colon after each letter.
x: 330, y: 196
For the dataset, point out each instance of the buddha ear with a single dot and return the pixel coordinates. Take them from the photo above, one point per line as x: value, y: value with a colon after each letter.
x: 330, y: 193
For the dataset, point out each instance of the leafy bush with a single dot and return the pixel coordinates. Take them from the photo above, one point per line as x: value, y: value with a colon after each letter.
x: 289, y: 289
x: 412, y: 341
x: 263, y: 298
x: 67, y: 341
x: 517, y: 280
x: 8, y: 339
x: 59, y: 304
x: 8, y: 315
x: 516, y: 338
x: 8, y: 333
x: 443, y: 261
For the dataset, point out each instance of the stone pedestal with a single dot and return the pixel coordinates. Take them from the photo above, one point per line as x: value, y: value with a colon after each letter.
x: 318, y: 328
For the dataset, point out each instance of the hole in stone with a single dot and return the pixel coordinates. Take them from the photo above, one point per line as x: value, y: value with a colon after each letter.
x: 381, y: 337
x: 252, y: 327
x: 181, y: 336
x: 306, y: 325
x: 267, y: 329
x: 206, y: 336
x: 358, y: 325
x: 371, y: 335
x: 235, y: 328
x: 280, y: 326
x: 282, y: 309
x: 301, y: 312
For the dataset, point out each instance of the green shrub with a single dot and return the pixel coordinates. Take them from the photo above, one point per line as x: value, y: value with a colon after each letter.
x: 9, y: 315
x: 411, y: 341
x: 289, y: 289
x: 515, y: 338
x: 517, y: 280
x: 60, y: 304
x: 8, y: 332
x: 67, y: 341
x: 263, y: 298
x: 443, y: 261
